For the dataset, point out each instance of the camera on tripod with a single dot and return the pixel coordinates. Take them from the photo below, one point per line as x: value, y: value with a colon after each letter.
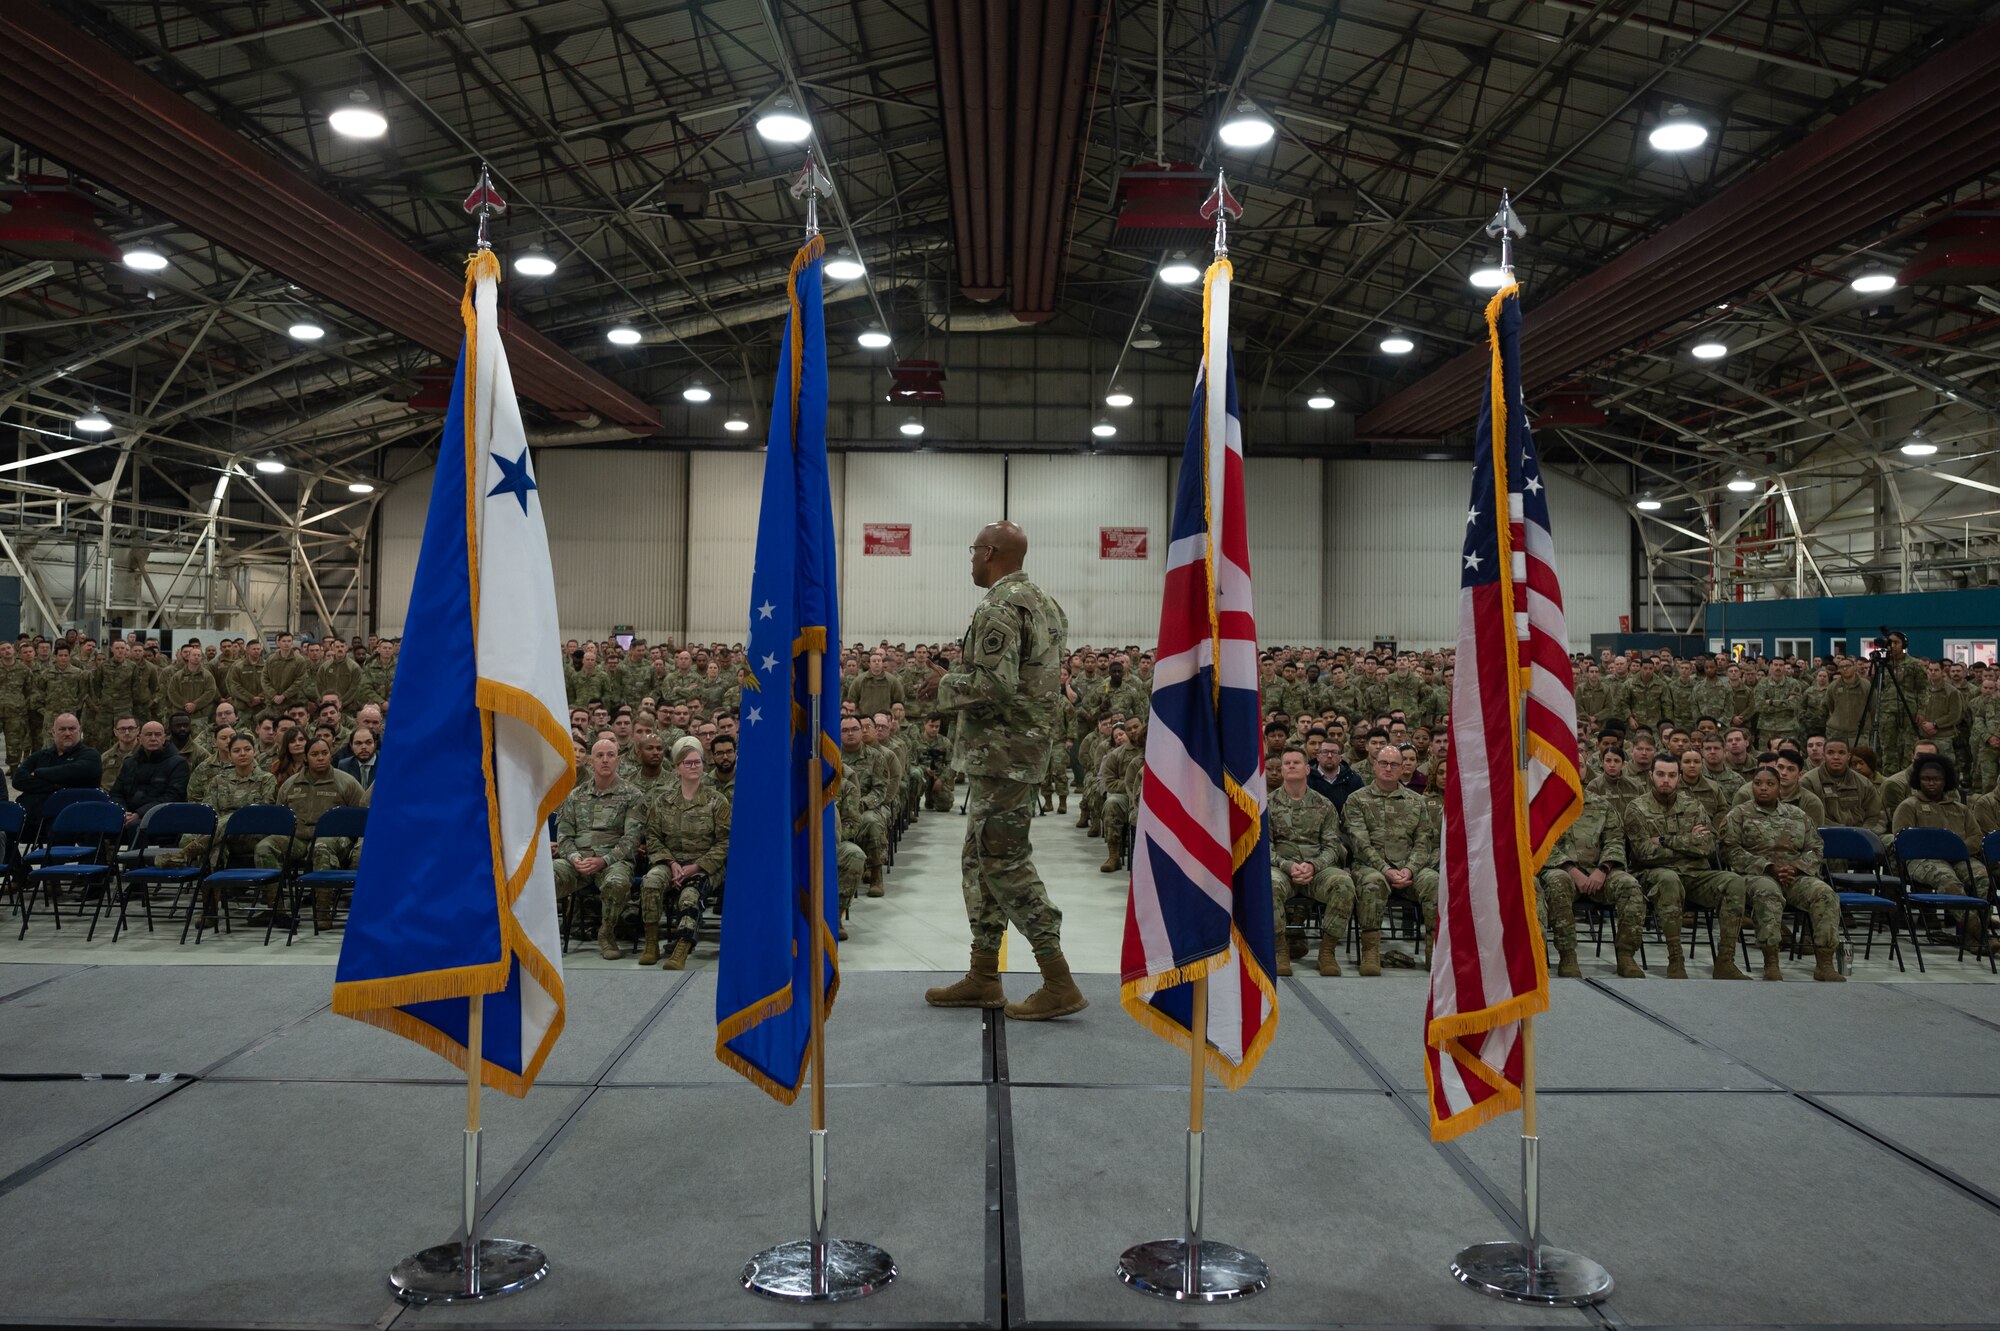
x: 1878, y: 646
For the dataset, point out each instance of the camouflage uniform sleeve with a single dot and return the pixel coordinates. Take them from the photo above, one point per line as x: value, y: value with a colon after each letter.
x: 1611, y: 847
x: 566, y: 828
x: 990, y: 674
x: 1332, y: 850
x: 1424, y: 854
x: 627, y: 849
x: 1357, y: 835
x: 1744, y: 857
x: 1641, y: 850
x: 717, y: 855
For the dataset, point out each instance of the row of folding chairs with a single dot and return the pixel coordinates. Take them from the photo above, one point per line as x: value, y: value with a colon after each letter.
x: 80, y: 850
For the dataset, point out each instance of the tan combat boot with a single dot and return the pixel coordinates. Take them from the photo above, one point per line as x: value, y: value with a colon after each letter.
x: 1082, y: 818
x: 677, y: 959
x: 1062, y: 802
x: 1371, y: 951
x: 1284, y: 960
x: 1329, y: 948
x: 607, y: 938
x: 1048, y: 802
x: 1771, y: 971
x: 1566, y: 967
x: 979, y: 988
x: 874, y: 880
x: 322, y: 909
x: 1727, y: 930
x: 1670, y: 930
x: 1058, y: 996
x: 651, y: 953
x: 1823, y: 967
x: 1095, y: 829
x: 1113, y: 859
x: 1626, y: 942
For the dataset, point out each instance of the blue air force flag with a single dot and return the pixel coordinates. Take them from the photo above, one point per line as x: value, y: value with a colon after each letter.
x: 456, y: 894
x: 763, y: 997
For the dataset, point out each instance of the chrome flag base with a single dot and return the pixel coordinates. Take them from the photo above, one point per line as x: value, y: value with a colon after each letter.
x: 849, y: 1269
x: 1502, y: 1269
x: 1225, y: 1272
x: 438, y: 1274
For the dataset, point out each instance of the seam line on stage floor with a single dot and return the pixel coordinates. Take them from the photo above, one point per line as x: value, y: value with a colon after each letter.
x: 43, y: 984
x: 1453, y: 1155
x: 1969, y: 1016
x: 1916, y: 1158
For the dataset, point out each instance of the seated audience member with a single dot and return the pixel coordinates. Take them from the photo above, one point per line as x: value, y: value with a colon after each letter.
x: 686, y: 836
x: 1775, y: 846
x: 597, y: 840
x: 1934, y: 802
x: 66, y: 764
x: 155, y: 775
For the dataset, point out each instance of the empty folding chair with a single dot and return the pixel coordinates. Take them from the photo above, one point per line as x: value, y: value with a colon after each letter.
x: 1861, y: 886
x: 93, y: 826
x: 1937, y: 843
x: 162, y: 829
x: 253, y: 822
x: 47, y: 847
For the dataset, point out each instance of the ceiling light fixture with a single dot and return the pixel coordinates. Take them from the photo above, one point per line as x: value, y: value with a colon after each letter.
x: 1178, y: 271
x: 1146, y: 340
x: 1918, y: 445
x: 1117, y: 397
x: 623, y: 336
x: 1247, y: 127
x: 696, y: 391
x: 305, y: 332
x: 1709, y: 350
x: 1647, y: 503
x: 736, y: 425
x: 844, y: 267
x: 1104, y: 429
x: 1741, y: 483
x: 1490, y: 276
x: 782, y: 123
x: 1398, y: 343
x: 145, y: 259
x: 93, y: 422
x: 535, y: 262
x: 269, y: 465
x: 912, y: 427
x: 1874, y: 282
x: 873, y: 337
x: 360, y: 488
x: 1321, y: 400
x: 1678, y: 132
x: 358, y: 118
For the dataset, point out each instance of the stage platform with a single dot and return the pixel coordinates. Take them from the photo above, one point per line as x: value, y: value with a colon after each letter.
x: 211, y: 1146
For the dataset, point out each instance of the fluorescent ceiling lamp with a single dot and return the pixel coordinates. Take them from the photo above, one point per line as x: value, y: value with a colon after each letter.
x: 1918, y: 445
x: 844, y: 267
x: 1874, y: 282
x: 782, y: 123
x: 736, y: 425
x: 623, y: 336
x: 1489, y: 276
x: 357, y: 119
x: 873, y: 337
x: 1104, y: 429
x: 1398, y: 343
x: 305, y: 332
x: 1647, y: 503
x: 912, y: 427
x: 1178, y: 272
x: 1741, y: 483
x: 1321, y: 400
x: 270, y: 466
x: 1147, y: 339
x: 145, y: 258
x: 93, y: 422
x: 360, y: 488
x: 1679, y: 132
x: 535, y: 263
x: 1117, y: 397
x: 1709, y: 350
x: 695, y: 392
x: 1247, y: 127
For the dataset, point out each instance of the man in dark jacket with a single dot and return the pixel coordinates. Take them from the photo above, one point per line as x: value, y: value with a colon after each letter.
x: 156, y: 774
x: 67, y: 764
x: 1332, y: 777
x: 359, y: 760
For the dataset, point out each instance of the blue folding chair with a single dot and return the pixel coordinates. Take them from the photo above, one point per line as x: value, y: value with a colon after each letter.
x: 254, y: 822
x: 343, y: 823
x: 162, y: 829
x: 1937, y: 843
x: 1861, y: 886
x: 1989, y: 850
x: 96, y: 826
x: 13, y: 820
x: 48, y: 848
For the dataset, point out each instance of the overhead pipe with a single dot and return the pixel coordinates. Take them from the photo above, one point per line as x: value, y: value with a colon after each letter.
x: 77, y: 99
x: 1930, y: 131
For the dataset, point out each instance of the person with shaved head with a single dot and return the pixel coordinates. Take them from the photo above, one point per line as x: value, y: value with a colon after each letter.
x: 1003, y: 689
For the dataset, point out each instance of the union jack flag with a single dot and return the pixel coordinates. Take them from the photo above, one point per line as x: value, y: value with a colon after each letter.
x: 1200, y: 899
x: 1512, y: 785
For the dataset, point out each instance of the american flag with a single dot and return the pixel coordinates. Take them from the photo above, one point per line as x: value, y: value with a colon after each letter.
x: 1512, y: 785
x: 1200, y: 900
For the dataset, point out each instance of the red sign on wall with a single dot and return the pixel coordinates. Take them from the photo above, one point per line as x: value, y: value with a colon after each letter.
x: 1121, y: 542
x: 885, y: 538
x: 1624, y: 623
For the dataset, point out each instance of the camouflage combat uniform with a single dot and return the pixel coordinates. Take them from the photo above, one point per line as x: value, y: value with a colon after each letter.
x: 1673, y: 862
x: 1306, y: 831
x: 1756, y: 837
x: 1004, y: 689
x: 685, y: 831
x: 1392, y: 830
x: 1595, y: 840
x: 1124, y: 769
x: 599, y: 822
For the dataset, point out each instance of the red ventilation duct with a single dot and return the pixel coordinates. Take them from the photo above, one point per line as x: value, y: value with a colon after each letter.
x: 1570, y: 404
x: 1931, y: 130
x: 49, y: 218
x: 1159, y: 207
x: 1961, y: 248
x: 77, y: 100
x: 917, y: 381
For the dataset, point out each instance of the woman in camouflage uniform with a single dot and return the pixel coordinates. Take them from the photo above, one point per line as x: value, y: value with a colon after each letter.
x: 241, y: 784
x: 687, y: 835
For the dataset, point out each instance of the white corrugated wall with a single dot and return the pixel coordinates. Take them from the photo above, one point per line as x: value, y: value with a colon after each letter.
x: 722, y: 538
x: 1062, y: 503
x: 928, y: 594
x: 1281, y: 498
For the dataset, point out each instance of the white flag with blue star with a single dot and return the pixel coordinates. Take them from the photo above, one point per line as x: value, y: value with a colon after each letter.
x: 455, y: 895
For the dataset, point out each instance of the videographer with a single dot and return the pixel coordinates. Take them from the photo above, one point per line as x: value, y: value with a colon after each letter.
x: 1901, y: 687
